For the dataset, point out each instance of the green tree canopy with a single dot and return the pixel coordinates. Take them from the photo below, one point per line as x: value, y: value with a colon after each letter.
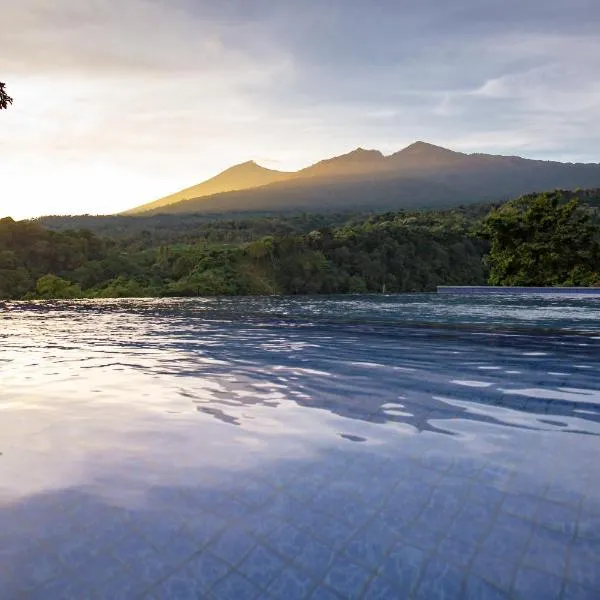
x: 543, y: 240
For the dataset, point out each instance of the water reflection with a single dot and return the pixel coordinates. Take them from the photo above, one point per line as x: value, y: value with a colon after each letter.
x: 299, y: 448
x: 232, y: 358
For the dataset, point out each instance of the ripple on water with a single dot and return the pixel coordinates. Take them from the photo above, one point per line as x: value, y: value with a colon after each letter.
x: 359, y: 425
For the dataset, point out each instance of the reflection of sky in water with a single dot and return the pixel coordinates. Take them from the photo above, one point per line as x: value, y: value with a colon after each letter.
x: 148, y: 410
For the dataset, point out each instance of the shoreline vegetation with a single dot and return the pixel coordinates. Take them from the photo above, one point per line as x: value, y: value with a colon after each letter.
x: 540, y: 240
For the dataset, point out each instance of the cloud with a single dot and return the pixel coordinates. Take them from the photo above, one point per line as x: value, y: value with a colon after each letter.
x: 165, y: 93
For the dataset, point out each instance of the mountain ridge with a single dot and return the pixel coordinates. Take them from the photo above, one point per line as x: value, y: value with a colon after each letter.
x: 419, y: 175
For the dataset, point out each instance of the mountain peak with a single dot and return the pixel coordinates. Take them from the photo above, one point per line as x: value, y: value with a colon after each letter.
x: 352, y: 163
x: 362, y: 153
x: 246, y: 175
x: 422, y: 155
x: 423, y: 148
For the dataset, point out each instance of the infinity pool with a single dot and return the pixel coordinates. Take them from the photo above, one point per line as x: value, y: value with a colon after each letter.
x: 383, y: 447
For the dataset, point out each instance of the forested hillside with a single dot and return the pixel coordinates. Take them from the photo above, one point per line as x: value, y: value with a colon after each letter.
x: 303, y: 254
x: 545, y: 239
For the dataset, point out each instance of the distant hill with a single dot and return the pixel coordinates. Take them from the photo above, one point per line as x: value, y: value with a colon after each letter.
x: 247, y: 175
x: 420, y: 176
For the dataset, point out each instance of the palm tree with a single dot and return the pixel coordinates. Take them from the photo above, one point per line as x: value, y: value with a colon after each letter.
x: 5, y: 99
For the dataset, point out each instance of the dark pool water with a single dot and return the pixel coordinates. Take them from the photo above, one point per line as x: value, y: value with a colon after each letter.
x: 414, y: 446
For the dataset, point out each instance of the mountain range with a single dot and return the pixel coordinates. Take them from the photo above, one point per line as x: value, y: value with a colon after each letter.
x: 421, y: 175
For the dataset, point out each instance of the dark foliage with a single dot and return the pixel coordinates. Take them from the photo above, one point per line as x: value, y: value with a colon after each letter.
x: 547, y: 239
x: 5, y: 99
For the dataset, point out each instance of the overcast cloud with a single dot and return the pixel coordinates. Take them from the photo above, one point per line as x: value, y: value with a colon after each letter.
x: 118, y: 102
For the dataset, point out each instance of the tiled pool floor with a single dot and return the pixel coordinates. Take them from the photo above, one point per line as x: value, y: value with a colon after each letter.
x: 317, y: 464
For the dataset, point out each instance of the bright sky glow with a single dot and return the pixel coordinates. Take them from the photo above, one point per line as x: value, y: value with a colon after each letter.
x: 118, y: 103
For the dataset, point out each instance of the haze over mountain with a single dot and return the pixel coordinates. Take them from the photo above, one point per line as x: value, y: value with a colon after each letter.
x: 421, y: 175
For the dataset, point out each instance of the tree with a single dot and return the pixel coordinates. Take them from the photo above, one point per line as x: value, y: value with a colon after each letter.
x: 51, y: 286
x: 543, y: 240
x: 5, y: 99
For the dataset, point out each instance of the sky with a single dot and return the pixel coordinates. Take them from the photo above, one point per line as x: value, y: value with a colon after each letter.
x: 120, y: 102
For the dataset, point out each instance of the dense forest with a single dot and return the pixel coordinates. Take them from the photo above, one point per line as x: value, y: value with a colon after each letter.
x: 546, y: 239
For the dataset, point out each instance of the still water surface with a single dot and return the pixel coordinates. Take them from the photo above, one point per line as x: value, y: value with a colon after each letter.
x: 414, y: 446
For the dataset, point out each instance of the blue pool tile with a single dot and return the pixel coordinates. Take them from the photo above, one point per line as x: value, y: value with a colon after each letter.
x: 355, y: 514
x: 440, y: 580
x: 434, y: 460
x: 381, y: 588
x: 261, y: 566
x: 547, y: 551
x: 494, y: 473
x: 284, y: 507
x: 35, y: 568
x: 288, y: 541
x: 589, y: 527
x: 291, y: 583
x: 278, y: 478
x: 563, y: 493
x: 8, y: 586
x: 531, y: 584
x: 180, y: 587
x: 499, y: 570
x: 325, y: 528
x: 99, y: 570
x: 411, y: 498
x: 347, y: 578
x: 232, y: 545
x: 124, y: 586
x: 423, y: 537
x: 490, y: 496
x: 584, y: 564
x: 521, y: 505
x: 479, y: 589
x: 457, y: 552
x: 235, y: 587
x: 315, y: 557
x: 204, y: 499
x: 590, y: 505
x: 76, y: 551
x: 108, y: 533
x: 261, y: 522
x: 557, y: 517
x: 303, y: 490
x: 132, y: 549
x: 232, y: 508
x: 398, y: 519
x: 574, y: 591
x: 51, y: 531
x: 371, y: 543
x: 448, y: 496
x: 255, y: 493
x: 160, y: 530
x: 436, y: 518
x: 470, y: 527
x: 322, y: 593
x: 66, y: 587
x: 508, y: 536
x: 478, y: 510
x: 403, y: 566
x: 328, y: 500
x: 150, y: 569
x: 205, y: 570
x: 180, y: 549
x: 466, y: 467
x: 204, y: 526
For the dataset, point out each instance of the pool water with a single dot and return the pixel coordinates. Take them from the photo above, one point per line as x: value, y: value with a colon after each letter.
x: 412, y: 446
